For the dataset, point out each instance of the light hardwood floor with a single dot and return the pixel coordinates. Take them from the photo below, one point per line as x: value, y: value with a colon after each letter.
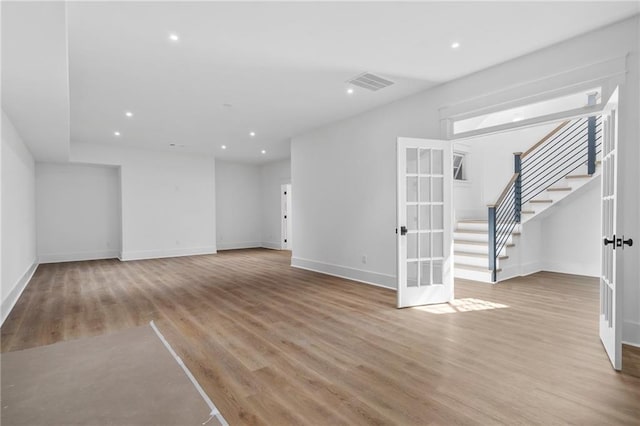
x: 275, y: 345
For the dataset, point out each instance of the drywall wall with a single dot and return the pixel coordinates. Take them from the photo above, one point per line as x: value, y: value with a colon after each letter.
x: 168, y: 199
x: 19, y: 258
x: 344, y: 173
x: 78, y: 212
x: 490, y: 165
x: 272, y: 176
x: 238, y: 205
x: 571, y: 233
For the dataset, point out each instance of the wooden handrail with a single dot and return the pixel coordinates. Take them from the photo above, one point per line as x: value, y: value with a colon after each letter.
x: 544, y: 139
x: 505, y: 190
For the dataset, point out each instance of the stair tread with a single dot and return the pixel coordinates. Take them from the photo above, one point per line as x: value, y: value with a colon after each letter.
x: 541, y: 201
x: 477, y: 243
x: 474, y: 268
x: 577, y: 176
x: 559, y: 189
x: 480, y: 255
x: 469, y: 231
x: 474, y: 231
x: 527, y: 212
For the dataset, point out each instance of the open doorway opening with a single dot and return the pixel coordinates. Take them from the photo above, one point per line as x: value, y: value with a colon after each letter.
x: 555, y: 210
x: 286, y: 217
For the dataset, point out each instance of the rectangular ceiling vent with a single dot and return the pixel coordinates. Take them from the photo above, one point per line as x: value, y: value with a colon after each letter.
x: 370, y: 81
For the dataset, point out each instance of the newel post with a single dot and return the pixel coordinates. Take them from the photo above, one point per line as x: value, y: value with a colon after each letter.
x: 592, y: 98
x: 517, y: 188
x: 591, y: 145
x: 492, y: 242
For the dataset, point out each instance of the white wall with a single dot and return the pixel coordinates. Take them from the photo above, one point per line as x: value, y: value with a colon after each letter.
x: 344, y: 173
x: 272, y: 175
x: 489, y: 167
x: 168, y: 199
x: 238, y: 205
x: 19, y: 258
x: 571, y: 233
x: 78, y: 212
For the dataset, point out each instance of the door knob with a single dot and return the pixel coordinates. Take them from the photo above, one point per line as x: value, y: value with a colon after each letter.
x: 628, y: 242
x: 403, y: 230
x: 611, y: 241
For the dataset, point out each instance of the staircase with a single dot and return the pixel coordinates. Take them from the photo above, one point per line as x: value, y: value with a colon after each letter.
x: 565, y: 160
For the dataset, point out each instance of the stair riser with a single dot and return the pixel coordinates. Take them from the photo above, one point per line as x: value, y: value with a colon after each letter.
x: 472, y: 275
x: 472, y: 248
x: 556, y: 195
x: 472, y: 226
x: 475, y: 237
x: 537, y: 207
x: 473, y: 261
x: 470, y: 237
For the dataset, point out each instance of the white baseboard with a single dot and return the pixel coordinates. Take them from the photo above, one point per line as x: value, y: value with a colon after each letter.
x: 73, y: 257
x: 238, y: 245
x: 584, y: 269
x: 156, y: 254
x: 271, y: 245
x: 367, y: 277
x: 530, y: 268
x: 631, y: 333
x: 10, y: 300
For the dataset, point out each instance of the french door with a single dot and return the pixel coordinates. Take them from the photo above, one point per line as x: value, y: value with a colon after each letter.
x: 424, y: 216
x: 613, y: 242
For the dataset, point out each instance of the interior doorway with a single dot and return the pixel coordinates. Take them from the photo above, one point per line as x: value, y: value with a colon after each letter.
x: 285, y: 217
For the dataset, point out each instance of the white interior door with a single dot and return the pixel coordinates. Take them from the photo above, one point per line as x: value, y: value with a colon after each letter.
x: 611, y: 276
x: 425, y: 183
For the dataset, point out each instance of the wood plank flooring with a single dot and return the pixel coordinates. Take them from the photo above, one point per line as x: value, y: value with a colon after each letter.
x: 275, y: 345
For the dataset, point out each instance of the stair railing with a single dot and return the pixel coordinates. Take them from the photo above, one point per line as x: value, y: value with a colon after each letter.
x: 573, y: 143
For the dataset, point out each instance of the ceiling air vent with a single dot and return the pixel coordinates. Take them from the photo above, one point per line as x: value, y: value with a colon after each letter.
x: 370, y: 81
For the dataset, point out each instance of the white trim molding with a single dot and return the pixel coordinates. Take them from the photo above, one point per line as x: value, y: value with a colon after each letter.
x: 360, y: 275
x: 606, y: 74
x: 10, y: 300
x: 239, y: 245
x: 157, y: 254
x: 270, y: 245
x: 80, y: 256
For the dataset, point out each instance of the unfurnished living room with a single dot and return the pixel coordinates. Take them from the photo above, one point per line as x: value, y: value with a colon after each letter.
x: 320, y: 213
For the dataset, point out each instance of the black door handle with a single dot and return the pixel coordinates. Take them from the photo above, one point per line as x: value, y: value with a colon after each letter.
x: 403, y: 230
x: 611, y: 241
x: 628, y: 242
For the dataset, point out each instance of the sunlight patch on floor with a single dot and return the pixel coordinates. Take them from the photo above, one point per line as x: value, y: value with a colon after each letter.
x: 468, y: 304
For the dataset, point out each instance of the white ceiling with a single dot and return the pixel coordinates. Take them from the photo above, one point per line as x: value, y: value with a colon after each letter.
x: 282, y: 66
x: 35, y: 77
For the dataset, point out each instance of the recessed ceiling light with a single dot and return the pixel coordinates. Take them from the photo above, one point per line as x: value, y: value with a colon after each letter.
x: 223, y: 147
x: 116, y: 133
x: 455, y: 45
x: 350, y: 91
x: 263, y: 151
x: 252, y: 134
x: 128, y: 114
x: 174, y: 37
